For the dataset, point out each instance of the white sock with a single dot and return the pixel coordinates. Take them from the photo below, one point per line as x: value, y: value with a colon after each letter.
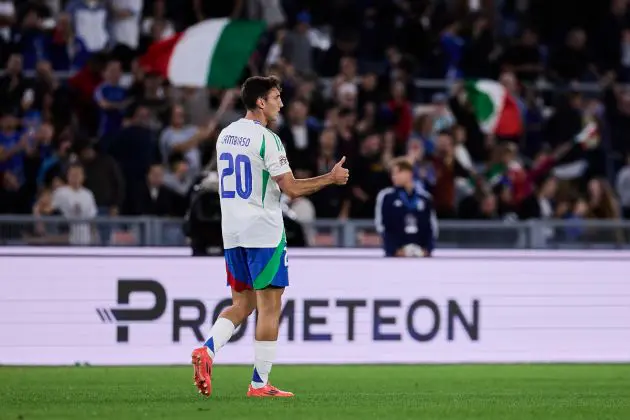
x: 220, y: 334
x: 265, y: 354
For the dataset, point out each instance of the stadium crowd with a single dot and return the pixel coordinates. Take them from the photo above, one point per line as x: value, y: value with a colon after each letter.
x: 77, y: 108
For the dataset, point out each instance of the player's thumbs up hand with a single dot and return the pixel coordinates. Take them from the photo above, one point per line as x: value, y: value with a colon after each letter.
x: 340, y: 174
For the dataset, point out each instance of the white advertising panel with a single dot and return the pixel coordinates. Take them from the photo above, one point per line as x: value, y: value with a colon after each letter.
x: 133, y: 307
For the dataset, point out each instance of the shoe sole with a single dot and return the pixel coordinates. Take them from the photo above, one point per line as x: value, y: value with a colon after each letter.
x: 200, y: 372
x: 270, y: 396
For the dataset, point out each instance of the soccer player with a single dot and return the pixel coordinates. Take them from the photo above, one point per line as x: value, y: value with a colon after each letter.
x: 253, y: 170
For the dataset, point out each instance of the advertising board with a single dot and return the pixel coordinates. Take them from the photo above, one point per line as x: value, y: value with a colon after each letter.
x: 62, y: 306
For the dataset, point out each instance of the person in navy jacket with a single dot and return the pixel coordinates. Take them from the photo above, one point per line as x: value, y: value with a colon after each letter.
x: 404, y: 215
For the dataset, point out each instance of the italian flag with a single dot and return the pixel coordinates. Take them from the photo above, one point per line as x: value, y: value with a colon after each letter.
x: 212, y: 53
x: 495, y: 108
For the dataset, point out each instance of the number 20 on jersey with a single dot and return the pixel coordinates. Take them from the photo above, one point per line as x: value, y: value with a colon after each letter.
x: 240, y: 167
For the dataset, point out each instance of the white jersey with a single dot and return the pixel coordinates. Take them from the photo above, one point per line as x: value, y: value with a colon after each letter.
x: 248, y: 157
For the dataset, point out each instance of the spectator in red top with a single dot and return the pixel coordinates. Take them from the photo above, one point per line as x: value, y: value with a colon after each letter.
x: 400, y: 107
x: 83, y: 84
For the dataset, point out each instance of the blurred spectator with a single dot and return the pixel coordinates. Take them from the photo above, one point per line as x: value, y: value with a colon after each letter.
x: 477, y: 142
x: 38, y: 149
x: 481, y: 206
x: 400, y: 107
x: 15, y: 93
x: 126, y: 26
x: 573, y: 61
x: 41, y: 7
x: 327, y: 201
x: 66, y: 51
x: 31, y: 39
x: 154, y: 199
x: 565, y: 123
x: 575, y: 213
x: 369, y: 177
x: 601, y: 200
x: 274, y: 55
x: 55, y: 164
x: 14, y: 198
x: 603, y: 205
x: 157, y: 26
x: 368, y: 91
x: 623, y: 188
x: 83, y: 84
x: 477, y: 53
x: 609, y: 34
x: 183, y: 138
x: 300, y: 140
x: 404, y: 215
x: 7, y: 19
x: 135, y: 149
x: 149, y: 90
x: 102, y: 177
x: 45, y: 232
x: 452, y: 45
x: 423, y: 132
x: 202, y: 222
x: 89, y: 20
x: 447, y: 170
x: 178, y: 180
x: 75, y: 201
x: 441, y: 115
x: 539, y: 205
x: 461, y: 152
x: 347, y: 95
x: 423, y: 169
x: 270, y: 11
x: 347, y: 138
x: 297, y: 48
x: 524, y: 58
x: 534, y: 124
x: 51, y: 102
x: 112, y: 100
x: 12, y: 147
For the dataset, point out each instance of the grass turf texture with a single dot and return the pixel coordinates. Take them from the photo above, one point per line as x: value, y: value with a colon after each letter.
x: 485, y: 392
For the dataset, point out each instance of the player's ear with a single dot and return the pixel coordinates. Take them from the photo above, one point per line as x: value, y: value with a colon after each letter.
x: 260, y: 103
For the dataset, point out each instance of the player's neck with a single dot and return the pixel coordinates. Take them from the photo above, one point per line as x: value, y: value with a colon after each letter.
x: 257, y: 116
x: 409, y: 188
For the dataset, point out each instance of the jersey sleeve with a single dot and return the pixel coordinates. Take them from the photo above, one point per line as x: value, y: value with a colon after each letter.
x: 274, y: 155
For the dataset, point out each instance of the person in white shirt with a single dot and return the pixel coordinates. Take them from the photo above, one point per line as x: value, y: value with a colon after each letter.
x: 7, y: 19
x: 89, y: 19
x: 253, y: 172
x: 126, y: 16
x: 75, y: 201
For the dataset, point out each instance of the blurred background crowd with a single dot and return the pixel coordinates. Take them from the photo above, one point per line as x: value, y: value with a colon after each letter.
x: 369, y: 79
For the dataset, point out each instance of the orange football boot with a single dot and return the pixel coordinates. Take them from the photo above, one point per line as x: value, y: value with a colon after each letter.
x: 202, y: 364
x: 268, y: 391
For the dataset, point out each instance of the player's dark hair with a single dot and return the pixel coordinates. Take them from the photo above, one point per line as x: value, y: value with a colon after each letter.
x: 258, y: 87
x: 402, y: 164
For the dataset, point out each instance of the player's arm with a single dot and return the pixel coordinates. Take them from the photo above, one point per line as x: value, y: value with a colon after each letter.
x: 277, y: 164
x: 300, y: 187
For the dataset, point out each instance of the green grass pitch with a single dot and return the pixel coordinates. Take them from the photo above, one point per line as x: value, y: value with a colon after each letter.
x: 488, y: 392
